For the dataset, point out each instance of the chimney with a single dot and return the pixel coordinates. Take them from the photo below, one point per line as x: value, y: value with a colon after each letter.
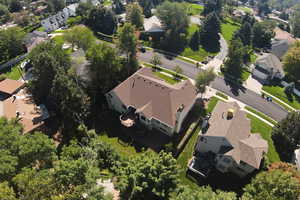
x: 230, y: 114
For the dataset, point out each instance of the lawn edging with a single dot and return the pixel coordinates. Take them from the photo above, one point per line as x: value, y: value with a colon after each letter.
x: 260, y: 115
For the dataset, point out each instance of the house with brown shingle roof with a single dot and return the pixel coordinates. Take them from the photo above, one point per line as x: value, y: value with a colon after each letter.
x: 229, y: 139
x: 9, y: 87
x: 145, y: 98
x: 20, y: 105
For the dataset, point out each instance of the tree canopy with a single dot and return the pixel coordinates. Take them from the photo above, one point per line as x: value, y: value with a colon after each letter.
x: 127, y: 40
x: 295, y: 23
x: 204, y: 78
x: 291, y: 62
x: 4, y: 14
x: 286, y: 136
x: 275, y: 184
x: 262, y: 35
x: 234, y: 63
x: 134, y: 15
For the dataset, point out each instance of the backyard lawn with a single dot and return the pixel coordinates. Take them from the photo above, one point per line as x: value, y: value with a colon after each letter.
x: 278, y: 92
x: 187, y: 152
x: 14, y: 73
x: 228, y: 28
x: 257, y: 126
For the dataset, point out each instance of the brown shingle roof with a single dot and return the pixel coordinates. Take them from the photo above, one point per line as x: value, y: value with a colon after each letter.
x: 30, y: 115
x: 154, y: 97
x: 9, y: 86
x: 246, y: 146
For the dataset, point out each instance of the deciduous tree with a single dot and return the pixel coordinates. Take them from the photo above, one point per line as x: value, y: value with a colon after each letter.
x: 134, y: 15
x: 204, y: 78
x: 286, y: 136
x: 295, y: 22
x: 4, y: 14
x: 127, y: 40
x: 291, y: 62
x: 275, y: 184
x: 6, y: 192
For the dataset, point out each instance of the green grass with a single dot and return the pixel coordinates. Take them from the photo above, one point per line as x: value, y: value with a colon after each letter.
x: 59, y: 39
x: 257, y: 126
x: 253, y: 57
x: 260, y: 114
x: 125, y: 150
x: 168, y: 79
x: 245, y: 75
x: 193, y: 9
x: 278, y: 92
x: 13, y: 73
x: 41, y: 29
x: 107, y: 3
x: 228, y: 28
x: 224, y: 96
x: 165, y: 70
x: 245, y: 9
x: 198, y: 55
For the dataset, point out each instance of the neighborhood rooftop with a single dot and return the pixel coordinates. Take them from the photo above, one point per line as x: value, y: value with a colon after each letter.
x: 246, y: 147
x: 154, y: 97
x: 9, y: 86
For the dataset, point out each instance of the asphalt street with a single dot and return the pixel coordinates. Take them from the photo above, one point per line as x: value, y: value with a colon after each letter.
x: 244, y: 95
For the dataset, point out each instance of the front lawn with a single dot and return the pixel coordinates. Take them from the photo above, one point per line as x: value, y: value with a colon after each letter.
x: 258, y: 126
x: 228, y: 27
x: 169, y: 79
x: 278, y: 92
x: 260, y: 114
x: 245, y: 75
x: 198, y: 55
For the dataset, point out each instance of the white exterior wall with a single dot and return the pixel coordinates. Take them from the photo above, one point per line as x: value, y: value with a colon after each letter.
x: 182, y: 116
x: 211, y: 143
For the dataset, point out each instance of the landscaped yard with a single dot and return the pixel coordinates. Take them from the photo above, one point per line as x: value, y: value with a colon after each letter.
x: 245, y: 75
x: 187, y: 152
x: 278, y: 92
x: 168, y: 79
x: 228, y: 28
x: 257, y: 126
x: 198, y: 55
x: 193, y: 9
x: 14, y: 73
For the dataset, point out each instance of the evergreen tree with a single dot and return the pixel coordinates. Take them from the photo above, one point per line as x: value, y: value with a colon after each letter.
x: 209, y: 34
x: 194, y: 41
x: 234, y: 62
x: 134, y: 15
x: 245, y: 34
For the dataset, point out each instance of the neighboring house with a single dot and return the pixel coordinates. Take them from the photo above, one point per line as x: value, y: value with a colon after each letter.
x: 58, y: 20
x: 20, y: 106
x: 153, y: 25
x: 9, y: 87
x: 34, y: 38
x: 267, y: 67
x: 145, y: 98
x: 280, y: 47
x: 228, y: 144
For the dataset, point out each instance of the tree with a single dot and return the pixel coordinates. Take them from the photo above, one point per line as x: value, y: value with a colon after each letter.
x: 6, y: 192
x: 245, y: 34
x: 56, y: 5
x: 15, y: 6
x: 45, y: 60
x: 148, y: 176
x: 72, y: 104
x: 291, y: 62
x: 295, y: 23
x: 175, y: 21
x: 134, y: 15
x: 80, y: 36
x: 274, y: 184
x: 147, y: 5
x: 214, y: 6
x: 103, y: 20
x: 83, y: 9
x: 209, y: 34
x: 4, y: 14
x: 155, y: 60
x: 8, y: 166
x: 104, y: 66
x: 286, y: 136
x: 204, y: 78
x: 11, y: 43
x: 234, y: 63
x: 262, y: 36
x: 194, y: 41
x: 118, y: 6
x: 263, y: 7
x: 127, y: 40
x: 186, y: 193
